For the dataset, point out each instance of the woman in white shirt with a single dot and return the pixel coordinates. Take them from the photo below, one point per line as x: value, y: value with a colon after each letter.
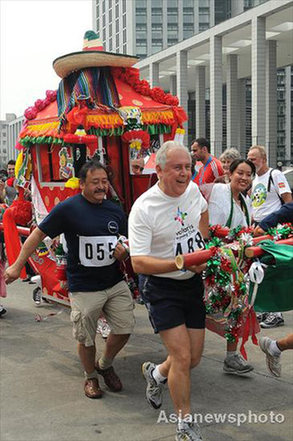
x: 229, y: 207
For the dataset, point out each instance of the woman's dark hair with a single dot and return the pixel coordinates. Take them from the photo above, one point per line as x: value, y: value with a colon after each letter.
x: 91, y: 165
x: 237, y: 162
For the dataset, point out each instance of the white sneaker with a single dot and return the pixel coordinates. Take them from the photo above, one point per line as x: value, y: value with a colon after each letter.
x: 236, y: 365
x: 153, y: 390
x: 190, y: 432
x: 273, y: 361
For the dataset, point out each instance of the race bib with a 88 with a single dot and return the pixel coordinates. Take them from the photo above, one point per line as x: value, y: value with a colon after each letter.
x: 97, y: 250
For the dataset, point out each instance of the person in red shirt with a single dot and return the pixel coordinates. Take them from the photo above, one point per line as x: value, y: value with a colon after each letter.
x: 211, y: 168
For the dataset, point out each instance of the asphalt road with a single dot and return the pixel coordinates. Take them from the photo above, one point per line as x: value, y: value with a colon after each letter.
x: 42, y: 385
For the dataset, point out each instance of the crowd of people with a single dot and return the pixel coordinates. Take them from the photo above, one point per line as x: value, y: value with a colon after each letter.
x: 172, y: 217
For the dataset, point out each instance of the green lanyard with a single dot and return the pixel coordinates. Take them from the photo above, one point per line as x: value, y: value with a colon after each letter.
x: 243, y: 208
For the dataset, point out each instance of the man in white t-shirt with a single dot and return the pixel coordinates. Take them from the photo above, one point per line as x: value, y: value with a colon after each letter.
x: 269, y: 190
x: 171, y: 218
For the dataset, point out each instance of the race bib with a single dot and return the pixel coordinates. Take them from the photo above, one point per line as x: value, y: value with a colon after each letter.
x: 188, y: 243
x: 97, y: 250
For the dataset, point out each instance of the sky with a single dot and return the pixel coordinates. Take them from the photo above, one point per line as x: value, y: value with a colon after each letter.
x: 32, y: 34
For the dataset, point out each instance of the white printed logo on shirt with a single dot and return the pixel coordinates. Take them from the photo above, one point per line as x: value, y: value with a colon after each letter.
x: 97, y: 250
x: 188, y: 239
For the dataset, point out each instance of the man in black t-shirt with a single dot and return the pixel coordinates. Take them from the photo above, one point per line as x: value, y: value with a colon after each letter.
x: 91, y: 225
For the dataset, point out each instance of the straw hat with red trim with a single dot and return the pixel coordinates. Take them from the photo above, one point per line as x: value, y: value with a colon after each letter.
x: 92, y: 55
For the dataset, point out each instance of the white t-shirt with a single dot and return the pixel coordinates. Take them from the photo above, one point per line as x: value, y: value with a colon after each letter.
x: 264, y: 202
x: 220, y: 207
x: 163, y: 226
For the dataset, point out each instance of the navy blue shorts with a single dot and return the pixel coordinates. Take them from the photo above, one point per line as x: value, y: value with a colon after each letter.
x: 171, y: 302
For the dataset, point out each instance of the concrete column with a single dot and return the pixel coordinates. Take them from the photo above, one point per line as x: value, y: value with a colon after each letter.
x: 288, y: 114
x: 149, y: 28
x: 271, y: 102
x: 173, y: 84
x: 242, y: 117
x: 165, y: 39
x: 154, y: 74
x: 182, y: 92
x: 200, y: 91
x: 232, y: 102
x: 180, y: 20
x: 216, y: 131
x: 258, y: 75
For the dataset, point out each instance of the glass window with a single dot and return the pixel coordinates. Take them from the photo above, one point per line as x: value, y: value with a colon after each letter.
x: 204, y: 3
x: 188, y: 18
x: 125, y: 49
x: 124, y: 36
x: 124, y: 5
x: 117, y: 10
x: 117, y: 41
x: 172, y: 31
x: 110, y: 15
x: 141, y: 3
x: 110, y: 3
x: 117, y: 25
x: 172, y: 41
x: 124, y: 21
x: 172, y: 16
x: 104, y: 20
x: 110, y: 44
x: 174, y: 3
x: 103, y: 6
x: 157, y: 3
x: 203, y: 27
x: 157, y: 31
x: 110, y: 29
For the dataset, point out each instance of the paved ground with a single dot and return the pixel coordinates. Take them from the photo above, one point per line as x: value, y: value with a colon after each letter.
x: 42, y: 385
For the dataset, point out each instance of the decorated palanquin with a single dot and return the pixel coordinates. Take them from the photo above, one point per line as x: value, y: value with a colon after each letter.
x: 102, y: 110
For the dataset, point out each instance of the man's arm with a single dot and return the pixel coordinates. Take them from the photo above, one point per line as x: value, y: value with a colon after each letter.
x: 13, y: 272
x: 204, y: 224
x: 287, y: 197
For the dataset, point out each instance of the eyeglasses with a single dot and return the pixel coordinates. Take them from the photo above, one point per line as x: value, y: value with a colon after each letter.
x: 137, y: 167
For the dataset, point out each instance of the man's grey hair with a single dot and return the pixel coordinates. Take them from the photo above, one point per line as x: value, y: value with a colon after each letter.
x: 230, y: 155
x: 161, y: 156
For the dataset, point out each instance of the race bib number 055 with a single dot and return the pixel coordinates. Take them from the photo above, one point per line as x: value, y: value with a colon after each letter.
x: 97, y: 250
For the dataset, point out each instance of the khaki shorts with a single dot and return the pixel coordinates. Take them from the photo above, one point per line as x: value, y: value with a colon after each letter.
x: 115, y: 303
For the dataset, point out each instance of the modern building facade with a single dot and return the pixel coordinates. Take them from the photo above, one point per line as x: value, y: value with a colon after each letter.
x: 9, y: 130
x: 228, y: 61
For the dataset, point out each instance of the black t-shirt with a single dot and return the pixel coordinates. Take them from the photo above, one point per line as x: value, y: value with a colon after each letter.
x: 91, y: 232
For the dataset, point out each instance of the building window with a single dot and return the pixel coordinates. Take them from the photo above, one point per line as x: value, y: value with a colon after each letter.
x: 125, y: 49
x: 103, y: 6
x: 157, y: 46
x: 117, y: 10
x: 203, y: 27
x: 204, y: 15
x: 141, y: 3
x: 157, y: 31
x: 188, y: 15
x: 124, y: 7
x: 172, y: 41
x: 117, y: 25
x: 110, y: 15
x: 174, y: 3
x: 172, y: 31
x: 124, y: 21
x: 124, y: 36
x: 104, y: 20
x: 141, y: 31
x: 172, y: 15
x: 110, y: 44
x: 117, y: 41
